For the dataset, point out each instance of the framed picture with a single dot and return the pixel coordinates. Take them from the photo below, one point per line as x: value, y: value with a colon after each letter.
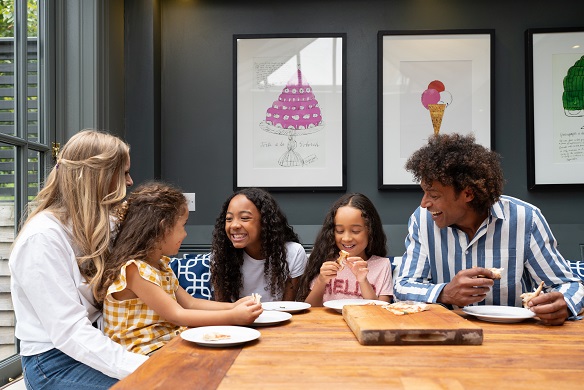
x: 289, y: 111
x: 555, y: 114
x: 430, y: 82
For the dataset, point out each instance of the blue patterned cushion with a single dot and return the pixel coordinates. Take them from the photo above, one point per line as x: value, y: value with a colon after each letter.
x: 577, y: 268
x: 193, y: 274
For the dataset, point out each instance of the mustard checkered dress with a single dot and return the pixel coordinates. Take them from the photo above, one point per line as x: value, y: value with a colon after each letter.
x: 133, y: 324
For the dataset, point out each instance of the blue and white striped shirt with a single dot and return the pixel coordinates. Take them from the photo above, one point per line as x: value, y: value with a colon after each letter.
x: 515, y: 236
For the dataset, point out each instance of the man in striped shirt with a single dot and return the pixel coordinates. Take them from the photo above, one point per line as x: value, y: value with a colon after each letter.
x: 465, y: 225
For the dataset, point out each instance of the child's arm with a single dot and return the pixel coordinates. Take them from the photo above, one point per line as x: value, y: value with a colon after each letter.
x: 187, y: 301
x: 359, y: 268
x: 291, y: 288
x: 328, y: 270
x: 386, y: 298
x: 158, y: 300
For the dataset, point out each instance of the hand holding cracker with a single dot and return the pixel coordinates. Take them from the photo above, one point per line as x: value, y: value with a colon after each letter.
x: 496, y: 273
x: 342, y: 259
x: 529, y: 296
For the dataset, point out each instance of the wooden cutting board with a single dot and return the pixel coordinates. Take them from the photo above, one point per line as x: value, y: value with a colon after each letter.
x: 374, y: 325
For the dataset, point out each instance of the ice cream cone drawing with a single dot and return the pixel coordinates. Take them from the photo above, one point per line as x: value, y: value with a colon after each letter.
x: 436, y: 114
x: 435, y: 99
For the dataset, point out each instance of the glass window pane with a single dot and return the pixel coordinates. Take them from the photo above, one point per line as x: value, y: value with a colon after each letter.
x: 7, y: 76
x: 32, y: 75
x: 34, y: 174
x: 20, y: 88
x: 7, y: 229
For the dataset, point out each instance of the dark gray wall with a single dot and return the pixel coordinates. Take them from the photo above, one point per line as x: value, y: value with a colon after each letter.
x: 196, y: 97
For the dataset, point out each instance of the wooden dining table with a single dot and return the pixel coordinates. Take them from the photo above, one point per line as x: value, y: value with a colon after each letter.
x: 316, y: 349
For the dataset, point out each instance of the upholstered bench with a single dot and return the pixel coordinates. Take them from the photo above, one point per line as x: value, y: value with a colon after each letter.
x: 192, y: 271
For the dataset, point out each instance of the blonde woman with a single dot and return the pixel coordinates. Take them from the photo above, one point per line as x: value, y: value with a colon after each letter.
x: 55, y: 262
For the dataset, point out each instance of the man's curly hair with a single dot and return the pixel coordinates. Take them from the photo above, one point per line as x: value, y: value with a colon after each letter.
x: 275, y: 232
x: 457, y: 160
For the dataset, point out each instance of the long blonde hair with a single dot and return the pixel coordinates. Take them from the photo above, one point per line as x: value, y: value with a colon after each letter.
x: 77, y: 192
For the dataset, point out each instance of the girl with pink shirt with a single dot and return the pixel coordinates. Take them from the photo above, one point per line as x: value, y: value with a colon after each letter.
x: 352, y: 225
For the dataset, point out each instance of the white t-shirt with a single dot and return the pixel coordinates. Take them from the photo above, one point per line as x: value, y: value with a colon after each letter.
x: 254, y: 280
x: 346, y: 286
x: 53, y: 304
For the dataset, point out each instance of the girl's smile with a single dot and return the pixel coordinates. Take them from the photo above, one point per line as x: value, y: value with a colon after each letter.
x: 238, y: 237
x: 351, y: 233
x: 243, y: 226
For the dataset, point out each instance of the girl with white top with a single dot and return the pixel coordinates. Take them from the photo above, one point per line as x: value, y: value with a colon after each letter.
x: 255, y: 250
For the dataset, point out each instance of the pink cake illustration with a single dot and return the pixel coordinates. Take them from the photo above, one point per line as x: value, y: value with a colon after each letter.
x: 295, y: 113
x: 296, y: 107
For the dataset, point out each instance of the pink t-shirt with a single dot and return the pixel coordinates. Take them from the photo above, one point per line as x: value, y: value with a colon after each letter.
x: 346, y: 286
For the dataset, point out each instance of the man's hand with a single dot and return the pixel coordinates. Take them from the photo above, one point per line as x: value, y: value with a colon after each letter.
x: 551, y: 308
x: 466, y: 287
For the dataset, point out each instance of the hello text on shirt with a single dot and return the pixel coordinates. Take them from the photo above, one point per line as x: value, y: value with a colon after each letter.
x: 343, y: 286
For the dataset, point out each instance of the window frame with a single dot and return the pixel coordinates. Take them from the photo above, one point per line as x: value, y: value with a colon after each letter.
x: 11, y: 367
x: 76, y: 36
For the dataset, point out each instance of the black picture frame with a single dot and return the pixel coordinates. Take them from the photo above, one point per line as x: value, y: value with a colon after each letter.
x: 555, y: 135
x: 450, y: 70
x: 284, y: 142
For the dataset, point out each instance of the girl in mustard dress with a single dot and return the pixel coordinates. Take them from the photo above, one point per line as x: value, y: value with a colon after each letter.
x: 144, y: 306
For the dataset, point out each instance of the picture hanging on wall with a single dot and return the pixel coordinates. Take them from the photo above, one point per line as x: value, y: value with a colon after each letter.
x: 430, y: 82
x: 555, y: 101
x: 289, y: 112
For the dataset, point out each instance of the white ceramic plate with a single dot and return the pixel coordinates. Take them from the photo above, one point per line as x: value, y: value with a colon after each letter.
x: 271, y: 317
x: 239, y: 335
x: 493, y: 313
x: 287, y: 306
x: 338, y: 304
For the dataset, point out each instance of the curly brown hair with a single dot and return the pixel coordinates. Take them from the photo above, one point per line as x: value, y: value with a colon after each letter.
x: 275, y: 232
x: 325, y: 246
x: 147, y: 215
x: 457, y: 160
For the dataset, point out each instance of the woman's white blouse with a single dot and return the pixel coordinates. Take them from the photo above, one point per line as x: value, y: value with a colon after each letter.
x: 53, y: 304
